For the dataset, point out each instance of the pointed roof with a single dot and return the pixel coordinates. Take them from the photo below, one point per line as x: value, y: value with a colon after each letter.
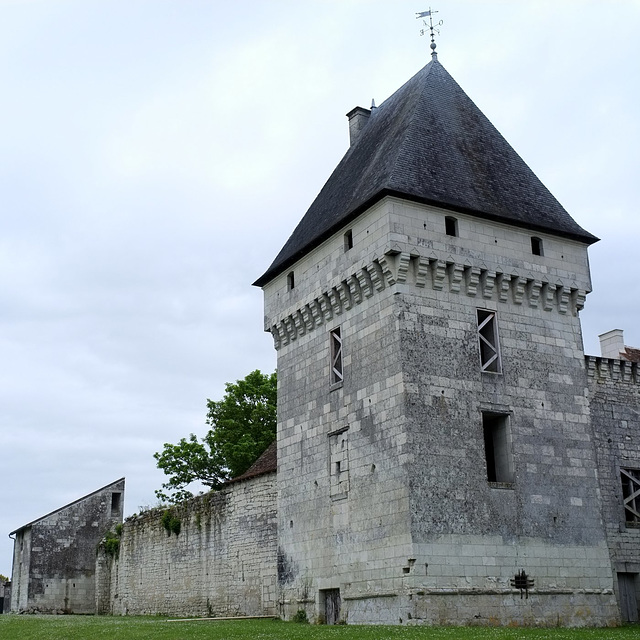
x: 429, y: 143
x: 117, y: 485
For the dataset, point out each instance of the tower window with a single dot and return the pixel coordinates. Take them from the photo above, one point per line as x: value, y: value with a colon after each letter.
x: 291, y: 282
x: 488, y: 341
x: 536, y: 246
x: 497, y: 447
x: 630, y: 479
x: 348, y: 240
x: 451, y: 226
x: 336, y: 356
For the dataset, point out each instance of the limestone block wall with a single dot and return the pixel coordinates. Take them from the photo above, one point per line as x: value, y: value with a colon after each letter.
x: 614, y: 399
x: 472, y: 534
x: 343, y: 492
x: 54, y: 557
x: 221, y: 563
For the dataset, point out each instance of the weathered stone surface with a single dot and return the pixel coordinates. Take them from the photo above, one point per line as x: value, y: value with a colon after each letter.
x: 222, y: 563
x: 54, y: 556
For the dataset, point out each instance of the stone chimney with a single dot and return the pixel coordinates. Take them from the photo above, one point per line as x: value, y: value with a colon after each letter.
x: 612, y: 344
x: 358, y: 118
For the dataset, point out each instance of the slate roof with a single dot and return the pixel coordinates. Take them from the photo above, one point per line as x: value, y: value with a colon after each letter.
x: 429, y: 143
x: 266, y: 463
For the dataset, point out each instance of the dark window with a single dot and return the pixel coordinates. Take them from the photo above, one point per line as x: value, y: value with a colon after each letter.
x: 630, y: 479
x: 291, y: 283
x: 536, y: 246
x: 116, y: 500
x: 348, y: 240
x: 497, y: 447
x: 451, y: 226
x: 336, y: 356
x: 488, y: 341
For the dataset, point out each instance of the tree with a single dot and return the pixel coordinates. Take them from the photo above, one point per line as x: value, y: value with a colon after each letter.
x: 242, y: 426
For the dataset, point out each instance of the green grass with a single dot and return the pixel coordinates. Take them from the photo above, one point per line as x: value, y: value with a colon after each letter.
x: 14, y: 627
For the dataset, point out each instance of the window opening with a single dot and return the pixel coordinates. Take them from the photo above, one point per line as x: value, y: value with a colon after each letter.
x: 497, y: 447
x: 536, y: 246
x: 336, y: 356
x: 630, y: 479
x: 116, y: 499
x: 451, y: 226
x: 291, y: 283
x: 488, y: 341
x: 339, y: 464
x: 348, y: 240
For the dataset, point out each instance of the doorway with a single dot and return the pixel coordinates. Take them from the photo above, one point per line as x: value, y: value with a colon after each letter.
x: 628, y: 593
x: 331, y: 598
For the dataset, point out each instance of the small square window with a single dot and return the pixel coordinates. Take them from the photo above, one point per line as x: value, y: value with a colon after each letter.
x: 348, y: 240
x: 488, y: 341
x: 336, y: 356
x: 291, y: 282
x: 536, y: 246
x: 451, y: 226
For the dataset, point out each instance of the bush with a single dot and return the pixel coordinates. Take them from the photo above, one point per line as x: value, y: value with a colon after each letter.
x: 301, y: 616
x: 170, y: 522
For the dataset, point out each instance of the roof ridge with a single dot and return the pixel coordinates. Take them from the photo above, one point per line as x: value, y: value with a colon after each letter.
x: 400, y: 150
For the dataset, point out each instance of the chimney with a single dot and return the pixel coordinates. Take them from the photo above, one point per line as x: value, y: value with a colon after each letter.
x: 358, y: 118
x: 611, y: 343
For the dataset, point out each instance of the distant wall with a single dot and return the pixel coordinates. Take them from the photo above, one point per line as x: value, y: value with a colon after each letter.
x: 223, y: 561
x: 614, y: 398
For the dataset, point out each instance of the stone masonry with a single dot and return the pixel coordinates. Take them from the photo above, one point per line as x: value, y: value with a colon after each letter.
x: 55, y: 556
x: 221, y: 563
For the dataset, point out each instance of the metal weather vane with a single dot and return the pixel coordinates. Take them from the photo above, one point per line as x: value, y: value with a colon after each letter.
x: 433, y: 28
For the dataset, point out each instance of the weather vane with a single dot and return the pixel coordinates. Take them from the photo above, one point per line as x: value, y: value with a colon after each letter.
x: 432, y: 28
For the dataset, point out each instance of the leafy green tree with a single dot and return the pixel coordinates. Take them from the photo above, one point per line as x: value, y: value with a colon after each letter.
x: 242, y: 425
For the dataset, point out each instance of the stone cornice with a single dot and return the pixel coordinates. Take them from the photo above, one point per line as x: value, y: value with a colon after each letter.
x: 604, y: 370
x: 397, y: 267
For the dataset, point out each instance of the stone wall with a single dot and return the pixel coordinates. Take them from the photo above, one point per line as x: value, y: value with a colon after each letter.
x: 614, y: 398
x: 221, y: 563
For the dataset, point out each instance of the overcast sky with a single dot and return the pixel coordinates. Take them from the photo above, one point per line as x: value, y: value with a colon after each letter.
x: 156, y: 154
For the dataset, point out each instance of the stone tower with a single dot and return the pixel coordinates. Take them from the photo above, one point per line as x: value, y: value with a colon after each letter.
x: 435, y: 454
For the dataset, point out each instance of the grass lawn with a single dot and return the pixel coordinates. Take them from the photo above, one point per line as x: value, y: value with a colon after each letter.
x: 14, y: 627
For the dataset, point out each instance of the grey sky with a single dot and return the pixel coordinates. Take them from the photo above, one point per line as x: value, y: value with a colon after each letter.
x: 155, y: 156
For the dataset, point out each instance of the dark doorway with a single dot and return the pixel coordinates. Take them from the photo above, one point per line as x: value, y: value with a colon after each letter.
x: 627, y: 583
x: 331, y: 605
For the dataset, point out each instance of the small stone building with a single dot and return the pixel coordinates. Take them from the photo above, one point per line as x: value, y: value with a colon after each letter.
x: 54, y: 557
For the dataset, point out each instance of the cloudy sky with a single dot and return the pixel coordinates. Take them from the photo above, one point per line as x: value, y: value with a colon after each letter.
x: 156, y: 154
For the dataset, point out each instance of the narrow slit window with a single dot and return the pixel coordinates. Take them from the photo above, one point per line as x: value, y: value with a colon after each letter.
x: 291, y: 282
x: 488, y: 341
x: 536, y: 246
x: 497, y: 447
x: 630, y: 479
x: 336, y: 356
x: 451, y: 226
x: 348, y: 240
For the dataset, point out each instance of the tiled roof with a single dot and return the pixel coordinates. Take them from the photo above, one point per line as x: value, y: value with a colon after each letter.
x: 266, y: 463
x: 631, y: 354
x: 429, y: 143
